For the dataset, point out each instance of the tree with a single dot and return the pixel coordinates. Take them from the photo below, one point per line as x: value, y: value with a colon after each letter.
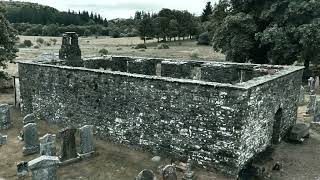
x: 8, y: 37
x: 145, y: 27
x: 267, y: 31
x: 207, y: 11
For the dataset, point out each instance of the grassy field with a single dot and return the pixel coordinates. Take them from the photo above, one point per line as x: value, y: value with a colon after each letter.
x: 90, y: 46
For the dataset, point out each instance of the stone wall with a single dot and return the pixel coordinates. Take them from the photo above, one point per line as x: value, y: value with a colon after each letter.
x: 220, y: 125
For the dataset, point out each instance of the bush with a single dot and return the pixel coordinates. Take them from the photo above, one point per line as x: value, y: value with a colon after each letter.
x: 27, y: 43
x: 204, y: 39
x: 103, y: 52
x: 194, y: 54
x: 36, y: 46
x: 54, y: 41
x: 47, y: 43
x: 140, y: 46
x: 163, y: 46
x: 40, y: 40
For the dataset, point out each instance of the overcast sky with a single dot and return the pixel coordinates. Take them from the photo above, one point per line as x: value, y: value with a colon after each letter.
x: 111, y: 9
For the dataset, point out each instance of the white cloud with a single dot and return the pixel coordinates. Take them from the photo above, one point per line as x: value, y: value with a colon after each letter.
x: 111, y: 9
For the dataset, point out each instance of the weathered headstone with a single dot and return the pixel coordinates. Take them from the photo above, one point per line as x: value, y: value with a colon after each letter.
x: 311, y: 105
x: 316, y: 83
x: 30, y: 136
x: 47, y: 145
x: 316, y: 117
x: 22, y: 168
x: 301, y: 95
x: 68, y: 149
x: 5, y: 121
x: 146, y: 175
x: 3, y: 139
x: 169, y: 173
x: 29, y: 119
x: 86, y: 140
x: 311, y: 85
x: 189, y: 174
x: 44, y: 168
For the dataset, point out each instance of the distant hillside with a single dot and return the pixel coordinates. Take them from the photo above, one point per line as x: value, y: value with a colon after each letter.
x: 26, y: 12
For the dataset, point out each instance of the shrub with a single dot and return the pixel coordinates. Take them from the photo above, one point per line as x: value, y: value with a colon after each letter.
x: 163, y: 46
x: 194, y: 54
x: 27, y: 43
x: 47, y: 43
x: 54, y: 41
x: 140, y: 46
x: 40, y: 40
x: 204, y: 39
x: 36, y: 46
x: 103, y: 52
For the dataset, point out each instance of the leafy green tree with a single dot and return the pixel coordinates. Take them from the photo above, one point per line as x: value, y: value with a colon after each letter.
x: 267, y: 31
x: 173, y: 28
x: 207, y: 11
x: 8, y: 37
x: 145, y: 27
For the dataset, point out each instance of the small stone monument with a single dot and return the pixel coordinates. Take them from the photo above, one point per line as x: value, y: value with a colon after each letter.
x: 70, y: 50
x: 44, y: 168
x: 189, y: 174
x: 5, y: 121
x: 86, y: 140
x: 3, y: 139
x: 30, y: 136
x: 47, y: 145
x: 301, y: 95
x: 311, y: 85
x: 316, y: 83
x: 146, y: 175
x: 169, y: 173
x: 22, y: 168
x: 68, y: 149
x: 311, y: 105
x: 29, y: 119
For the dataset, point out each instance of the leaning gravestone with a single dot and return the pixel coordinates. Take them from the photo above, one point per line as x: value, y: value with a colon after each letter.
x: 29, y: 119
x: 30, y: 136
x: 5, y: 122
x: 3, y: 139
x: 311, y: 105
x: 169, y: 173
x: 47, y: 145
x: 146, y: 175
x: 68, y: 149
x: 86, y: 140
x: 44, y: 168
x: 22, y: 168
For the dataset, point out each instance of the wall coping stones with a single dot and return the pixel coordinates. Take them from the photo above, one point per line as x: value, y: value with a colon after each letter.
x: 285, y: 70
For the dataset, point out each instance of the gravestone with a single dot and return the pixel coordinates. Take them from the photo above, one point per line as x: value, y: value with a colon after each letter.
x: 3, y: 139
x: 30, y: 136
x: 29, y: 119
x: 301, y: 95
x: 68, y: 149
x: 47, y: 145
x: 169, y: 173
x: 22, y: 168
x: 189, y: 174
x: 44, y: 168
x: 311, y: 105
x: 298, y: 132
x: 86, y: 140
x: 146, y: 175
x: 5, y: 121
x: 316, y: 83
x: 311, y: 85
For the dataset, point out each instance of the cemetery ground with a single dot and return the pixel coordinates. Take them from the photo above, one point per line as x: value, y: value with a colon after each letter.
x: 113, y: 161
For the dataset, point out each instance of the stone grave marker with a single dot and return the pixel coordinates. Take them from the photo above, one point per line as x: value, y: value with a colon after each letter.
x: 311, y: 85
x: 169, y: 173
x: 5, y: 121
x: 30, y: 136
x: 3, y: 139
x: 311, y: 105
x: 47, y: 145
x: 316, y: 83
x: 29, y: 119
x: 146, y: 175
x: 189, y: 174
x: 68, y: 149
x: 86, y: 140
x: 301, y: 95
x: 44, y: 168
x: 22, y: 168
